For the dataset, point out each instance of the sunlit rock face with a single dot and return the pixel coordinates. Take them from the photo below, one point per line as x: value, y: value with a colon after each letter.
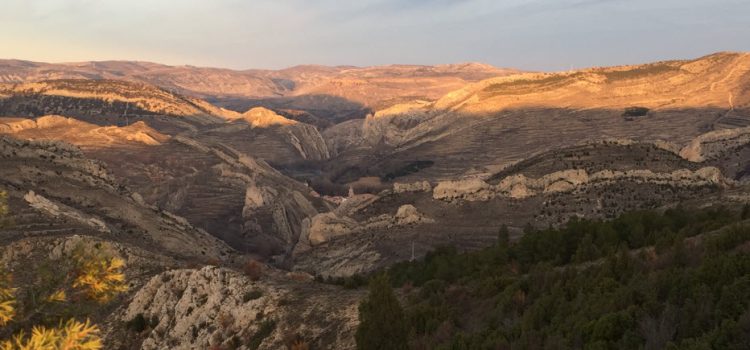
x: 186, y: 307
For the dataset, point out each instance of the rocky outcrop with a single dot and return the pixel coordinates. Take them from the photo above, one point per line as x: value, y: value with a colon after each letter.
x: 308, y: 141
x: 60, y: 210
x: 81, y: 133
x: 260, y: 117
x: 408, y: 214
x: 471, y: 189
x: 354, y: 203
x: 16, y: 125
x: 257, y: 197
x: 216, y: 307
x: 519, y: 186
x: 714, y: 143
x: 327, y: 226
x: 419, y: 186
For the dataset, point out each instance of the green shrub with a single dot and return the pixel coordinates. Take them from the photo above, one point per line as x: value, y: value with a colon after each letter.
x: 635, y: 112
x: 252, y: 295
x: 137, y: 324
x: 265, y: 329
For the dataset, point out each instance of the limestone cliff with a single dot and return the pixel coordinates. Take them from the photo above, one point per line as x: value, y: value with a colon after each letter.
x: 215, y: 307
x: 519, y: 186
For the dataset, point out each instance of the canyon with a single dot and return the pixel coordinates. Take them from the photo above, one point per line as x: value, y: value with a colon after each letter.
x: 317, y: 172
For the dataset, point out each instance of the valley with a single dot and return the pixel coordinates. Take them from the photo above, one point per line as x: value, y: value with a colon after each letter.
x: 232, y: 196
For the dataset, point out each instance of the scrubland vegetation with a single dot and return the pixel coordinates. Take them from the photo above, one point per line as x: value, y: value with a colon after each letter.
x: 676, y: 279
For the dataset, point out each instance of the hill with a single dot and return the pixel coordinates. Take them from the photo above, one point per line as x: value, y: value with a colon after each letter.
x: 334, y: 93
x: 490, y: 124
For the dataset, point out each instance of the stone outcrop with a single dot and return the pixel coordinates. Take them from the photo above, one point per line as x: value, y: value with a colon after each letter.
x: 216, y: 307
x: 713, y: 143
x: 60, y: 210
x: 257, y: 197
x: 79, y: 132
x: 326, y: 226
x: 519, y: 186
x: 471, y: 189
x: 408, y: 214
x: 260, y: 117
x: 419, y: 186
x: 308, y: 141
x: 352, y: 204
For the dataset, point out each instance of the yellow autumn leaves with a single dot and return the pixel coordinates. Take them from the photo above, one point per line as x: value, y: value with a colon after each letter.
x: 7, y: 300
x: 96, y: 274
x: 73, y: 335
x: 101, y: 279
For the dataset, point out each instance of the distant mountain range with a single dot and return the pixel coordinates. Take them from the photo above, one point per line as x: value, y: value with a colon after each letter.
x: 345, y: 90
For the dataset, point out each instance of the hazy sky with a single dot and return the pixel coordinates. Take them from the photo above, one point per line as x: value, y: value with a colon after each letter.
x: 527, y: 34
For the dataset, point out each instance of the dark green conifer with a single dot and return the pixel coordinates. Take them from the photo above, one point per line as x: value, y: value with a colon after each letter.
x: 382, y: 325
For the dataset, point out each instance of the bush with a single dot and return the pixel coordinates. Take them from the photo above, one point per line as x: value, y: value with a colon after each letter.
x: 635, y: 112
x: 253, y: 269
x: 137, y: 324
x: 265, y: 329
x: 298, y: 344
x: 252, y: 295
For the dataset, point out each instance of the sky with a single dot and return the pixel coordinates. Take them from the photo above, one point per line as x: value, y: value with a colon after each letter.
x: 543, y: 35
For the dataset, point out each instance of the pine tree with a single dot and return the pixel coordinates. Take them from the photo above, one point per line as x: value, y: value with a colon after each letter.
x: 500, y: 254
x: 503, y: 236
x: 382, y: 325
x: 586, y: 250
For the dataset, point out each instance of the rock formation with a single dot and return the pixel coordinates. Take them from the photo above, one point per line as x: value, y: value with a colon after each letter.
x: 213, y: 307
x: 714, y: 143
x: 518, y: 186
x: 54, y: 127
x: 419, y: 186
